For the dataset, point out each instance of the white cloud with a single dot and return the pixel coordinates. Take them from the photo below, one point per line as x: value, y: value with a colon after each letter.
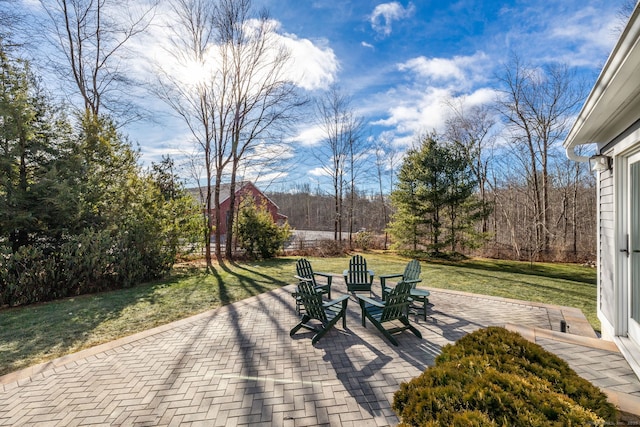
x: 414, y: 111
x: 587, y: 34
x: 459, y: 70
x: 314, y: 66
x: 319, y: 171
x: 480, y: 97
x: 582, y: 37
x: 309, y: 136
x: 384, y: 14
x: 32, y: 4
x: 421, y: 107
x: 367, y: 45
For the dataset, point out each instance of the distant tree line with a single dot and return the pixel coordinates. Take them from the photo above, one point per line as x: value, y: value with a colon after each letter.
x: 506, y: 235
x: 308, y: 209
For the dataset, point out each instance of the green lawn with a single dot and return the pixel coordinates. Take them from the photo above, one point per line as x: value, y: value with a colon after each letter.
x: 37, y: 333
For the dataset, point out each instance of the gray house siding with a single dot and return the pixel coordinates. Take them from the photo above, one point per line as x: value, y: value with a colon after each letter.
x: 607, y: 246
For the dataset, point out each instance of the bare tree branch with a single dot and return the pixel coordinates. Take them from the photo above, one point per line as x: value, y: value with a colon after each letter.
x: 92, y: 37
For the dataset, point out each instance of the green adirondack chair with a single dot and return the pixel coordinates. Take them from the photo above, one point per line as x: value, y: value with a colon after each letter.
x: 327, y: 313
x: 357, y: 277
x: 411, y: 275
x: 305, y: 272
x: 395, y: 307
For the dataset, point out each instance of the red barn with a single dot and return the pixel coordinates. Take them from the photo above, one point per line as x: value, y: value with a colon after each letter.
x: 243, y: 189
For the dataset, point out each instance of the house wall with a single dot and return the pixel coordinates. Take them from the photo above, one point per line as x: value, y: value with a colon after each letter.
x: 612, y: 264
x: 607, y: 250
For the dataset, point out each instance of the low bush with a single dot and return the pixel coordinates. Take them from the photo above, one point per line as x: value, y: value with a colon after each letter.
x: 257, y: 233
x: 363, y: 240
x: 92, y: 261
x: 320, y: 248
x: 494, y: 377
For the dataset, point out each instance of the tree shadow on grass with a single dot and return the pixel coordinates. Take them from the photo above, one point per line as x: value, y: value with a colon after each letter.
x: 535, y: 269
x: 248, y: 282
x: 536, y: 287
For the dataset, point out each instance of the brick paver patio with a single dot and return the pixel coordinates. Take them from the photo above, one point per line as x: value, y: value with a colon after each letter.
x: 237, y: 365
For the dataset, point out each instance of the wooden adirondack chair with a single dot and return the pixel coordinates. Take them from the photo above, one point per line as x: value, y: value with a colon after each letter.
x: 411, y: 275
x: 304, y: 272
x: 358, y: 278
x: 327, y: 313
x: 395, y: 308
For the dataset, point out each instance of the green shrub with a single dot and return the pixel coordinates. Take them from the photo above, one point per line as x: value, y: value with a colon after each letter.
x: 25, y: 276
x: 364, y: 240
x: 91, y: 261
x: 496, y: 377
x: 257, y: 233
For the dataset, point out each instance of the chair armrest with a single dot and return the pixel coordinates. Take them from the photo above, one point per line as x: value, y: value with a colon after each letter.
x: 335, y: 301
x: 383, y: 281
x: 390, y: 276
x: 370, y: 301
x: 327, y: 276
x: 413, y: 281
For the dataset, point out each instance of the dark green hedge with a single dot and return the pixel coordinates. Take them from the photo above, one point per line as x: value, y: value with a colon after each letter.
x: 494, y: 377
x: 90, y: 262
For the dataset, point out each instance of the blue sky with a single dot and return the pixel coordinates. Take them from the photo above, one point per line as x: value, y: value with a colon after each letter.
x: 399, y: 61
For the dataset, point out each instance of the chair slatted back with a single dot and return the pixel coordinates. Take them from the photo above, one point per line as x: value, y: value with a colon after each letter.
x: 312, y: 301
x: 397, y: 302
x: 412, y: 270
x: 303, y: 269
x: 358, y: 270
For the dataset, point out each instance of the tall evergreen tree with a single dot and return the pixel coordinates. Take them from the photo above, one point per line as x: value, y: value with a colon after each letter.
x: 33, y: 139
x: 434, y: 197
x: 77, y: 214
x: 408, y: 222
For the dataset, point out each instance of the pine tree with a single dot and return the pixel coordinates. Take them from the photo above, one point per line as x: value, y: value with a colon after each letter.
x: 408, y: 225
x: 34, y: 137
x: 435, y: 202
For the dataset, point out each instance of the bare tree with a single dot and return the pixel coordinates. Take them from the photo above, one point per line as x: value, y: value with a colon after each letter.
x: 471, y: 128
x: 575, y: 189
x: 243, y: 99
x: 386, y: 157
x: 537, y: 106
x: 623, y: 14
x: 264, y: 101
x: 10, y: 17
x: 194, y: 103
x: 356, y: 159
x: 92, y: 38
x: 339, y: 125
